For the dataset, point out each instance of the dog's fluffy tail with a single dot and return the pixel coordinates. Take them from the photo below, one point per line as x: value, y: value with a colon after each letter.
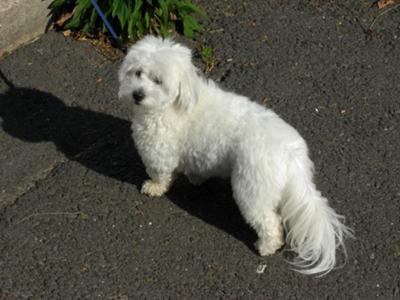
x: 314, y: 230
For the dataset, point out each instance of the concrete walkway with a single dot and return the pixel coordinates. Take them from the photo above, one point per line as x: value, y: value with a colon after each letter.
x: 73, y: 225
x: 21, y: 21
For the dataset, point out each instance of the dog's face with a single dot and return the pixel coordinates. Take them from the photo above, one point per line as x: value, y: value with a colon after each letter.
x: 157, y: 74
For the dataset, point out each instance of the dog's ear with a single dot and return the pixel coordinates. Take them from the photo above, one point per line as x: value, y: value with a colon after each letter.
x: 188, y: 90
x: 123, y: 70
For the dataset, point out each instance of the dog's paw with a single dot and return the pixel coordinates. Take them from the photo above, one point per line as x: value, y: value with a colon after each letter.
x: 268, y: 246
x: 153, y: 189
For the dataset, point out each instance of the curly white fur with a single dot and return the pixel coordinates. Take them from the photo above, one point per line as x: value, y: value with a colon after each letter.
x: 185, y: 124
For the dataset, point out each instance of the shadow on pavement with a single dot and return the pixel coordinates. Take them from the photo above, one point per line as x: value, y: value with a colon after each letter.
x: 98, y: 141
x: 103, y: 143
x: 213, y: 203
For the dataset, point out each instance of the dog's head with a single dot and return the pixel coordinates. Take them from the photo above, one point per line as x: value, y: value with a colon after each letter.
x: 158, y: 73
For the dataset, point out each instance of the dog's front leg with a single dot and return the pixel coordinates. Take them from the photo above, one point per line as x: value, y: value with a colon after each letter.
x: 162, y: 174
x: 157, y: 186
x: 160, y: 156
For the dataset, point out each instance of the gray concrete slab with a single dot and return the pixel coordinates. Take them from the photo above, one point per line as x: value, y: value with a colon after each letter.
x: 82, y: 230
x: 21, y: 21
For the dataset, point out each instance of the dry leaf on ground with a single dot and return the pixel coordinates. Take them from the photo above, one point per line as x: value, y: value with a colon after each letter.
x: 67, y: 33
x: 64, y: 18
x: 383, y: 3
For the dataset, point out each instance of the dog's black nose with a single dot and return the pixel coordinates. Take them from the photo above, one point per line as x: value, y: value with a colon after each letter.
x: 138, y: 96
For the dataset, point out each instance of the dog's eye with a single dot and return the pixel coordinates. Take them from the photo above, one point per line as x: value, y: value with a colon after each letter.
x: 138, y: 73
x: 157, y: 81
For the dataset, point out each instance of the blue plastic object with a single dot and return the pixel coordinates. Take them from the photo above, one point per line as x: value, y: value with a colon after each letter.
x: 103, y: 17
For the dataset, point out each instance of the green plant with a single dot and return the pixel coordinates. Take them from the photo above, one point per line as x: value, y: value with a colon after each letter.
x: 206, y: 54
x: 131, y: 19
x: 208, y: 58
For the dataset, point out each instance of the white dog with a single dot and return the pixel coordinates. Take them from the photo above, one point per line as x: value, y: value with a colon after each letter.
x: 185, y: 124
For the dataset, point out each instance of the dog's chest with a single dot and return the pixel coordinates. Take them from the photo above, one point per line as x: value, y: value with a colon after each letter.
x: 155, y: 135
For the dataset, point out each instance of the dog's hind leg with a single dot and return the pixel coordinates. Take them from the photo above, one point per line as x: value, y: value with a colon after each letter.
x: 270, y: 232
x: 258, y: 200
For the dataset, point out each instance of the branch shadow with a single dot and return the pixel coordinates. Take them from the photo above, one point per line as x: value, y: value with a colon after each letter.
x: 103, y: 143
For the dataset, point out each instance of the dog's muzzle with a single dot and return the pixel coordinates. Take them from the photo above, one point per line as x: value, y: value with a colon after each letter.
x: 138, y: 96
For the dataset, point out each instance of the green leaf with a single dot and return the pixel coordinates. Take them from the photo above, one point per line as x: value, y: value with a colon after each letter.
x: 140, y: 27
x: 189, y: 8
x: 123, y: 15
x: 136, y: 12
x: 190, y: 25
x: 93, y: 19
x: 147, y: 19
x: 133, y: 19
x: 131, y: 28
x: 164, y: 12
x: 80, y: 9
x: 116, y: 6
x: 164, y: 30
x: 171, y: 25
x: 58, y: 3
x: 86, y: 28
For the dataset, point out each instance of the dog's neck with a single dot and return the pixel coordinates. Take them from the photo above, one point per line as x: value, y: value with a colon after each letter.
x: 171, y: 112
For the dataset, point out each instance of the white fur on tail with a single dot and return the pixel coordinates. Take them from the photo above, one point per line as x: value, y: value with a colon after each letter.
x: 314, y: 229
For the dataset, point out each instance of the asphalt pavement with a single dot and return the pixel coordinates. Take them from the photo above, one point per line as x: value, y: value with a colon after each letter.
x: 74, y: 226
